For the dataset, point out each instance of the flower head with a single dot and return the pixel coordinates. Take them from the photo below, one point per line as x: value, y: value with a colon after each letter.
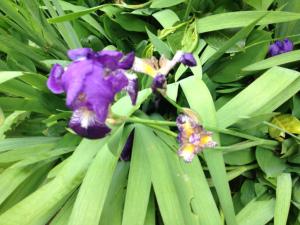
x: 160, y: 69
x: 192, y: 137
x: 91, y: 82
x: 280, y: 47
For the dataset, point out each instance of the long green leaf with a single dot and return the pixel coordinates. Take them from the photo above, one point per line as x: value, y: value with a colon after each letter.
x: 242, y: 18
x: 163, y: 184
x: 194, y: 90
x: 138, y: 187
x: 258, y: 98
x: 277, y: 60
x: 257, y: 212
x: 283, y: 198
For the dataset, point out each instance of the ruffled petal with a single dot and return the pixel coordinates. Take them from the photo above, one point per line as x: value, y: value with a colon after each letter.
x: 54, y: 82
x: 110, y: 58
x: 80, y: 53
x: 85, y: 124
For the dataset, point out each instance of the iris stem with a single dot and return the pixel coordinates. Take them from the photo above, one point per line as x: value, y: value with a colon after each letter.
x: 164, y: 130
x: 151, y: 122
x: 178, y: 107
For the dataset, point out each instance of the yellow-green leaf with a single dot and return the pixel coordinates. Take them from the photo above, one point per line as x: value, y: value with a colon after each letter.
x: 287, y: 122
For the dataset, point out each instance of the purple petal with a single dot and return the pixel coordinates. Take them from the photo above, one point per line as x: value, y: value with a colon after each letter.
x: 75, y: 76
x: 118, y: 81
x: 79, y: 53
x: 100, y: 91
x: 288, y: 45
x: 159, y: 82
x: 54, y: 82
x: 87, y: 127
x: 127, y: 150
x: 132, y: 89
x: 188, y: 59
x: 280, y: 47
x: 127, y: 61
x: 273, y: 50
x: 110, y: 59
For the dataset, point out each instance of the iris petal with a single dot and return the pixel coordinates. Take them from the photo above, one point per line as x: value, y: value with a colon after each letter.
x: 54, y: 82
x: 79, y: 53
x: 127, y: 61
x: 159, y: 82
x: 74, y: 79
x: 85, y: 124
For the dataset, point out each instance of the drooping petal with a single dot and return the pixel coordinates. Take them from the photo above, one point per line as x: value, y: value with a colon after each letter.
x: 54, y: 82
x: 84, y: 122
x: 159, y: 83
x: 187, y: 152
x: 132, y: 87
x: 127, y: 61
x: 80, y: 53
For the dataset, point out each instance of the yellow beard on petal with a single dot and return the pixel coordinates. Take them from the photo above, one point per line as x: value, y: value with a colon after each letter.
x: 188, y: 129
x: 187, y: 152
x: 149, y: 70
x: 205, y: 139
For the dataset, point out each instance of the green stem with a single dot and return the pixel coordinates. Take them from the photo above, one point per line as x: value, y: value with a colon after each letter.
x: 166, y: 131
x: 178, y: 107
x: 151, y: 122
x: 242, y: 135
x: 158, y: 123
x: 279, y: 128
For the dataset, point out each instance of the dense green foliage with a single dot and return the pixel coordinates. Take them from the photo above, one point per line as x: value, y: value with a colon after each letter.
x: 48, y: 175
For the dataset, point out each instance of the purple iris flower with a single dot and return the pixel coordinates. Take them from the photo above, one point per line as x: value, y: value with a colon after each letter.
x: 192, y: 137
x: 280, y: 47
x: 91, y: 82
x: 159, y: 70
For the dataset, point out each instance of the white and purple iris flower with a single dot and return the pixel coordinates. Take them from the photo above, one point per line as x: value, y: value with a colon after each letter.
x: 192, y: 137
x: 280, y: 47
x: 91, y: 82
x: 159, y: 70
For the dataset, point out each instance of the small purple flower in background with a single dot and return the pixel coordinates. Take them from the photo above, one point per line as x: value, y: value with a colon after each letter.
x: 192, y: 137
x: 280, y: 47
x: 159, y: 70
x: 91, y: 82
